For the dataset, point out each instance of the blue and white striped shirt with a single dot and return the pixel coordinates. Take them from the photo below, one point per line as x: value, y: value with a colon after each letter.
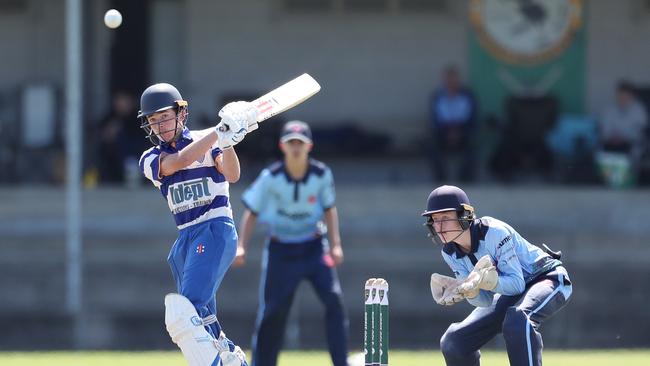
x: 293, y: 210
x: 517, y: 261
x: 196, y: 193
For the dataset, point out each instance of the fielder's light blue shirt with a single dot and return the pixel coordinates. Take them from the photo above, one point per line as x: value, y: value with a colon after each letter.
x: 292, y: 209
x: 196, y: 193
x: 518, y: 262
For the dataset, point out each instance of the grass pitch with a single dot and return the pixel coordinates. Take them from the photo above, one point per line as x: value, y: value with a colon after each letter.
x: 292, y: 358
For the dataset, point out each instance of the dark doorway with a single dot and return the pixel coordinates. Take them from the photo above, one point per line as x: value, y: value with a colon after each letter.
x: 129, y: 55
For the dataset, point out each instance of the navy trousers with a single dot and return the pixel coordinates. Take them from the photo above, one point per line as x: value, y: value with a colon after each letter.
x: 519, y: 318
x: 284, y: 267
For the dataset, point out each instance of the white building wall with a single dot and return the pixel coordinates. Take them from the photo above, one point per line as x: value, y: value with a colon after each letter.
x: 377, y: 69
x: 31, y: 44
x: 618, y: 46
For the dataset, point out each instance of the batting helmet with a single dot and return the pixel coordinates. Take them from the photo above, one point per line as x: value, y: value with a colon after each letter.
x: 158, y: 98
x: 448, y: 198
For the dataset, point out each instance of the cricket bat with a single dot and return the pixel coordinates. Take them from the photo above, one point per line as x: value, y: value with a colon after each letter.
x: 284, y: 97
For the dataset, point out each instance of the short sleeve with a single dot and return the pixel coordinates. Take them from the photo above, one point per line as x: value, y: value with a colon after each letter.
x: 216, y: 151
x: 511, y: 276
x: 255, y: 197
x: 328, y: 193
x: 150, y: 165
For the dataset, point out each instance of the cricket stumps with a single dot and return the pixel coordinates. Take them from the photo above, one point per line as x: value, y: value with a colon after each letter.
x: 376, y: 331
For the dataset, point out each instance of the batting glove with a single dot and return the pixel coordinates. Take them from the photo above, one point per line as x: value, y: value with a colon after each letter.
x: 228, y: 138
x: 244, y: 114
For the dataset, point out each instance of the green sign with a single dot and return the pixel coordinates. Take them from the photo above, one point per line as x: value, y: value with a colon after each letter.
x: 527, y: 48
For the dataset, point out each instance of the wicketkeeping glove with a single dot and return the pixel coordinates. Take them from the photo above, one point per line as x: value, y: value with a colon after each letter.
x: 484, y: 276
x: 444, y: 290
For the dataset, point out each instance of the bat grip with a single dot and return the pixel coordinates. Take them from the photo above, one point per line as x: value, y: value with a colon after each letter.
x: 222, y: 127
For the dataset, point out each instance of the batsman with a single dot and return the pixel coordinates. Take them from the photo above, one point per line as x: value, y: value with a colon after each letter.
x: 193, y: 170
x: 514, y: 285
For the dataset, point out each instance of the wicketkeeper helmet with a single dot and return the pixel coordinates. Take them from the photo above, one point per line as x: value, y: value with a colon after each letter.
x: 448, y: 198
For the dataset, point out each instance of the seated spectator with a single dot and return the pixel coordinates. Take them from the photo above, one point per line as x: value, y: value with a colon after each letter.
x: 623, y: 124
x: 622, y: 136
x: 453, y: 114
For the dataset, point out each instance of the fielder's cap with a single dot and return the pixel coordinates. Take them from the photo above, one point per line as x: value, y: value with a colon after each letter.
x: 296, y: 130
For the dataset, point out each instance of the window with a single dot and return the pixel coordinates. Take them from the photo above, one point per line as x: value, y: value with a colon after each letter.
x: 423, y: 5
x: 363, y: 6
x: 308, y: 6
x: 12, y: 6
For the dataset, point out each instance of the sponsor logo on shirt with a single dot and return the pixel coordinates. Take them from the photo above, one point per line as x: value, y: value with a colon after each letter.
x: 293, y: 215
x: 189, y: 190
x: 503, y: 241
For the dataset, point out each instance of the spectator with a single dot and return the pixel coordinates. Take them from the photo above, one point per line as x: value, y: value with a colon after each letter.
x: 121, y: 140
x: 622, y: 136
x: 453, y: 112
x: 623, y: 123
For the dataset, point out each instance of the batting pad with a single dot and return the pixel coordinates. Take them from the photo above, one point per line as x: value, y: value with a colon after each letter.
x: 188, y: 332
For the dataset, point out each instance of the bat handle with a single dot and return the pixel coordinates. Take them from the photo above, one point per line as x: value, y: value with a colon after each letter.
x: 222, y: 127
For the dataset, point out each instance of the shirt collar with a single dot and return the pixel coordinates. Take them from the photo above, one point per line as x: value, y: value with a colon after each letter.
x: 304, y: 178
x: 183, y: 140
x: 477, y: 231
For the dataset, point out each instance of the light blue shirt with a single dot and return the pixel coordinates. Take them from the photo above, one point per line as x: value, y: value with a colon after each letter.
x: 457, y: 109
x: 292, y: 210
x: 518, y: 262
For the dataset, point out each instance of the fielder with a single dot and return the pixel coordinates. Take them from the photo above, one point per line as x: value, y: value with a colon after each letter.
x: 192, y: 170
x: 292, y: 196
x: 514, y: 285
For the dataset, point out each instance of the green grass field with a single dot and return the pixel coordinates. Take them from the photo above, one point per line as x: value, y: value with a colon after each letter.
x: 397, y: 358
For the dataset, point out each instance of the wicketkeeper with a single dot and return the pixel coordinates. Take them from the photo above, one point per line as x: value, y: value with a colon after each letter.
x: 514, y: 285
